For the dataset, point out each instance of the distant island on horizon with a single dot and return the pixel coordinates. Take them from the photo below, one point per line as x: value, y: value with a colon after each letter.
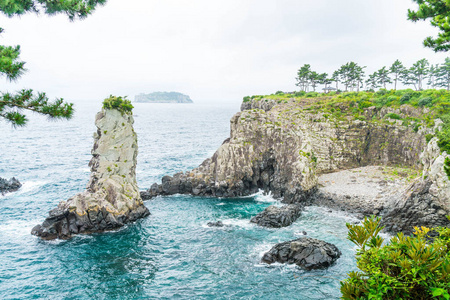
x: 163, y: 97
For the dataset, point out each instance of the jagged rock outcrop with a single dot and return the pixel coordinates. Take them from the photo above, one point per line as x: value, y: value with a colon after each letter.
x: 276, y: 217
x: 283, y: 148
x: 305, y: 252
x: 426, y: 202
x: 112, y: 196
x: 8, y: 186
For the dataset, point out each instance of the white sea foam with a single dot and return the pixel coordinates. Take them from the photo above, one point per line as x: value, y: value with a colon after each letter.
x: 29, y: 186
x: 268, y: 198
x: 15, y: 228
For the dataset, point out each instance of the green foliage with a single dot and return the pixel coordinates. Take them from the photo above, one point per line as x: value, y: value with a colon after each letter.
x: 428, y: 137
x: 393, y: 116
x: 12, y: 106
x: 247, y: 99
x: 424, y: 101
x: 403, y: 268
x: 72, y: 8
x: 405, y: 98
x: 121, y: 104
x: 447, y: 167
x: 438, y: 11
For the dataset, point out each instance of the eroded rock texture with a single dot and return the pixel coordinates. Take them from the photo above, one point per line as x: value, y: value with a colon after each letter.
x: 426, y: 202
x: 283, y: 148
x: 307, y: 253
x: 112, y: 197
x: 8, y: 186
x: 277, y: 217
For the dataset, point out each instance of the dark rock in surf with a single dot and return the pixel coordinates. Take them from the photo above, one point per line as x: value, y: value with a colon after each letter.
x: 7, y: 186
x: 277, y: 217
x: 307, y: 253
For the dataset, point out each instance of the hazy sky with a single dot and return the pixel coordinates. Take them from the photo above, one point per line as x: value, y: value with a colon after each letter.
x: 214, y: 51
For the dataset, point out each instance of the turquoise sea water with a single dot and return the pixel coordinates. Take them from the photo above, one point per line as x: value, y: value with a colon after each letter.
x: 170, y: 255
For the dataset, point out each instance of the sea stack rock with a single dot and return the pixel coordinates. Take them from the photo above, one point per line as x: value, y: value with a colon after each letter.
x: 112, y: 196
x: 307, y: 253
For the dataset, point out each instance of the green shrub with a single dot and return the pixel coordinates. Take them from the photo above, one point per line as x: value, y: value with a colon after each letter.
x: 405, y: 98
x: 382, y: 92
x: 405, y: 268
x: 428, y: 137
x: 279, y: 93
x: 393, y: 116
x: 312, y: 94
x: 121, y: 104
x: 424, y: 101
x: 365, y: 104
x: 247, y: 99
x: 299, y: 94
x: 447, y: 167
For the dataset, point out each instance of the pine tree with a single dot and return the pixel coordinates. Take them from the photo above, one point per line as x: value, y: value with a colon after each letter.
x: 438, y: 11
x: 443, y: 75
x: 11, y: 106
x: 336, y: 78
x: 303, y: 77
x: 416, y: 74
x: 398, y: 70
x: 432, y: 75
x: 372, y: 82
x: 383, y: 77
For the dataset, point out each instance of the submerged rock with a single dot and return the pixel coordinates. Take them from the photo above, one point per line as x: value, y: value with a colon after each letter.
x: 112, y: 197
x: 274, y: 216
x: 216, y: 224
x: 7, y: 186
x: 307, y: 253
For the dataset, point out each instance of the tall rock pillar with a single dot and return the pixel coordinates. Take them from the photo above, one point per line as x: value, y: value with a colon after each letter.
x: 111, y: 198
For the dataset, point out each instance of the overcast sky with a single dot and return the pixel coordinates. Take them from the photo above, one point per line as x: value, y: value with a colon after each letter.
x: 214, y: 51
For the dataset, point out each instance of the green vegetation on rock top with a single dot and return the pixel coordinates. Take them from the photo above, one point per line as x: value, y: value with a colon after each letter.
x: 121, y: 104
x: 410, y: 107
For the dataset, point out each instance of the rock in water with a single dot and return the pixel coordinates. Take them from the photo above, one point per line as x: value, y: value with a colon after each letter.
x: 307, y: 253
x: 112, y: 196
x: 278, y: 216
x: 7, y: 186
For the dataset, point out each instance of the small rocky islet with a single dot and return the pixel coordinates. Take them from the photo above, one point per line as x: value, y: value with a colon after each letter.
x: 112, y: 197
x: 299, y: 155
x: 8, y: 186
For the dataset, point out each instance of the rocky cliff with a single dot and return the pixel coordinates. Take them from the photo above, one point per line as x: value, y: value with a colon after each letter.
x: 112, y: 196
x: 283, y: 146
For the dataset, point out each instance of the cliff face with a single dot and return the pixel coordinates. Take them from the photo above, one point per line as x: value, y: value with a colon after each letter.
x: 426, y: 202
x: 112, y: 196
x: 283, y: 147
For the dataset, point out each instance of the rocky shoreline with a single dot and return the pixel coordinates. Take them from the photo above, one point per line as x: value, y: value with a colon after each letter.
x: 303, y: 158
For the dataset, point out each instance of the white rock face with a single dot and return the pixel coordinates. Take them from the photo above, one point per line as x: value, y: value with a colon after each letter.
x: 112, y: 196
x: 433, y: 171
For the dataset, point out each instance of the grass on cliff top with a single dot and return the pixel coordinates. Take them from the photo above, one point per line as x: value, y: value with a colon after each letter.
x: 435, y: 104
x: 121, y: 104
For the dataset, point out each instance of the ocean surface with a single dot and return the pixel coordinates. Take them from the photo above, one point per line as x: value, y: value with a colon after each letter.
x: 172, y: 254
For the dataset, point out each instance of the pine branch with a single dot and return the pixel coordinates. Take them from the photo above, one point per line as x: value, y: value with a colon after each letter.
x: 11, y: 107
